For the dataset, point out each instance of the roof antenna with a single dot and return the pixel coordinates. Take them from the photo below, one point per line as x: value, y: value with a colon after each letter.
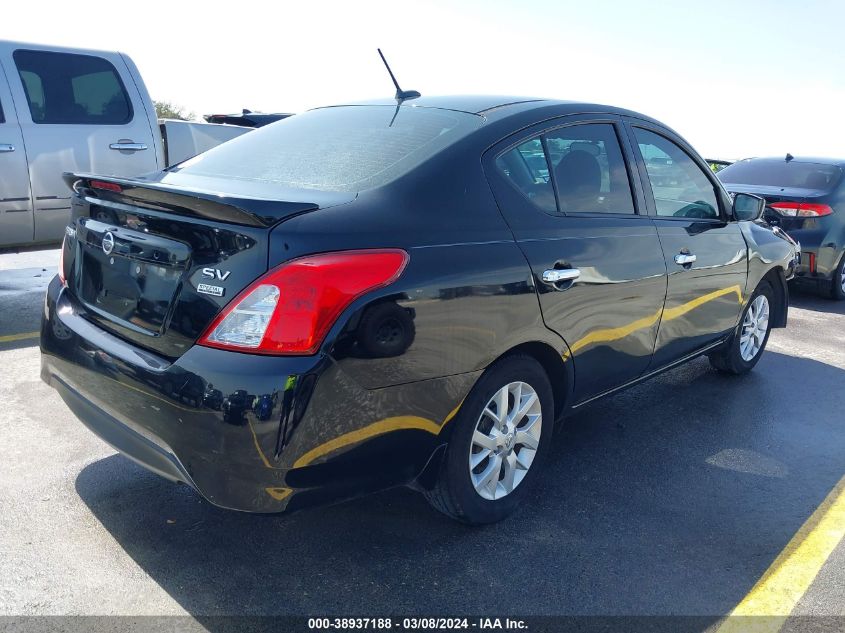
x: 789, y: 157
x: 401, y: 95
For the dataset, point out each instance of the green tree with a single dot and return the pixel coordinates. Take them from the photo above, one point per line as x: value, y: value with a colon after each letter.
x: 168, y: 110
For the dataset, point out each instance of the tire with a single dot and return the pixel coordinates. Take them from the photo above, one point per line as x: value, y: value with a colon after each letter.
x: 455, y: 493
x: 734, y: 357
x: 837, y: 284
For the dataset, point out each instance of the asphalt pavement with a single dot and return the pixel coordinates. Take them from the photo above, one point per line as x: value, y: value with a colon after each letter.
x: 672, y: 498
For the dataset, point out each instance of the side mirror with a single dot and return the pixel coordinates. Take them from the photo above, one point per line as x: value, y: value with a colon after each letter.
x: 747, y: 207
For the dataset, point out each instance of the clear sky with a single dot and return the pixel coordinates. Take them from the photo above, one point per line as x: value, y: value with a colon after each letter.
x: 736, y: 78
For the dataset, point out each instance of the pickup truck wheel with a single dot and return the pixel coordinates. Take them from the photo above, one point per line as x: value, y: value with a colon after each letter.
x: 837, y: 284
x: 500, y: 435
x: 746, y: 346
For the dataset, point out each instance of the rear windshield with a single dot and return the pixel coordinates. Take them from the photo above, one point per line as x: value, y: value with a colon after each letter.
x: 779, y: 173
x: 348, y: 148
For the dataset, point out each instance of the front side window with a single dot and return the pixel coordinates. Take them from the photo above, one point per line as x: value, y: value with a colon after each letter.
x: 589, y: 170
x: 680, y: 187
x: 72, y: 89
x: 527, y: 168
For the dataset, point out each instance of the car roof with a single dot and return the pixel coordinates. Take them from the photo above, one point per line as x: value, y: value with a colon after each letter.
x: 819, y: 160
x: 502, y: 106
x: 472, y: 104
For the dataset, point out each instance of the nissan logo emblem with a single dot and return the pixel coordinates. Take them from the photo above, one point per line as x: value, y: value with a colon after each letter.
x: 108, y: 243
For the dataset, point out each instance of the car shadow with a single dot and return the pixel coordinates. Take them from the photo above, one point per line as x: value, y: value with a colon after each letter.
x: 671, y: 498
x: 808, y: 299
x: 35, y: 248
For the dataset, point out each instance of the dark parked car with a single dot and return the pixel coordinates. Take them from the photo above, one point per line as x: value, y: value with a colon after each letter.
x: 409, y: 296
x: 247, y: 118
x: 806, y: 198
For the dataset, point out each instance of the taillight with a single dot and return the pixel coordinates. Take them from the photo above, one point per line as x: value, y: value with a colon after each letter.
x: 291, y: 308
x: 801, y: 209
x: 105, y: 185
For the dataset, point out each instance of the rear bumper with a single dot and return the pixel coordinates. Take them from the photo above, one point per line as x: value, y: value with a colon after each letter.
x: 821, y: 246
x: 248, y: 432
x: 138, y: 448
x: 822, y: 272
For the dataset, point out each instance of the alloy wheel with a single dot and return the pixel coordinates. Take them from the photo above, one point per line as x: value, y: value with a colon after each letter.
x: 505, y: 440
x: 755, y: 325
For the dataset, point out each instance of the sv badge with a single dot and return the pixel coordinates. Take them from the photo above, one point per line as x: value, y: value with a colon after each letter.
x: 216, y: 273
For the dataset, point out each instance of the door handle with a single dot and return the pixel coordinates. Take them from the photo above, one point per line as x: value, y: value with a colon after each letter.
x: 7, y: 147
x: 128, y: 147
x: 685, y: 259
x: 556, y: 275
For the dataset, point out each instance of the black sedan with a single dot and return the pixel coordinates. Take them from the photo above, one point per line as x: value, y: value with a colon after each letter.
x: 806, y: 198
x: 408, y: 293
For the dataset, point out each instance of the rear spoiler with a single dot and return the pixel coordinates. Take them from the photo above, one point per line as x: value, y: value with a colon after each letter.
x: 211, y: 206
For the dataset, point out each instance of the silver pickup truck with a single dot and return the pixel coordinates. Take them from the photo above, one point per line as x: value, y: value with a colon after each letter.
x: 71, y: 110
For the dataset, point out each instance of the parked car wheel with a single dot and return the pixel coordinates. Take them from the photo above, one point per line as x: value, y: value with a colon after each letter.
x: 837, y: 284
x: 500, y: 435
x: 746, y: 346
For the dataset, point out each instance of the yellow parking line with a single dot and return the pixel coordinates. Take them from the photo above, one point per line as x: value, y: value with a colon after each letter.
x: 790, y: 575
x: 8, y: 338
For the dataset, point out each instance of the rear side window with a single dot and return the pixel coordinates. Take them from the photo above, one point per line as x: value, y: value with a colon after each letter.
x: 584, y: 162
x: 2, y: 118
x: 348, y: 148
x: 526, y: 167
x: 782, y: 173
x: 72, y: 89
x: 589, y: 170
x: 680, y: 187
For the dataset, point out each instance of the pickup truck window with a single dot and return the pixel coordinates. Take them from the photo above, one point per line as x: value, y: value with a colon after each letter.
x: 72, y: 89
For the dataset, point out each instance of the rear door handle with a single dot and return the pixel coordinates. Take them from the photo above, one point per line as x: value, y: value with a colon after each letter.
x: 7, y: 147
x: 685, y: 259
x: 557, y: 275
x: 128, y: 147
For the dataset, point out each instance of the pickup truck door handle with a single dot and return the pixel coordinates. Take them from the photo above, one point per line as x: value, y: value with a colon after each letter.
x: 685, y: 259
x: 126, y: 146
x: 557, y: 275
x: 6, y: 147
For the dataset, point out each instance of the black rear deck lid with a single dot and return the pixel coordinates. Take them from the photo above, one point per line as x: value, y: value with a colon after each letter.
x: 212, y: 206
